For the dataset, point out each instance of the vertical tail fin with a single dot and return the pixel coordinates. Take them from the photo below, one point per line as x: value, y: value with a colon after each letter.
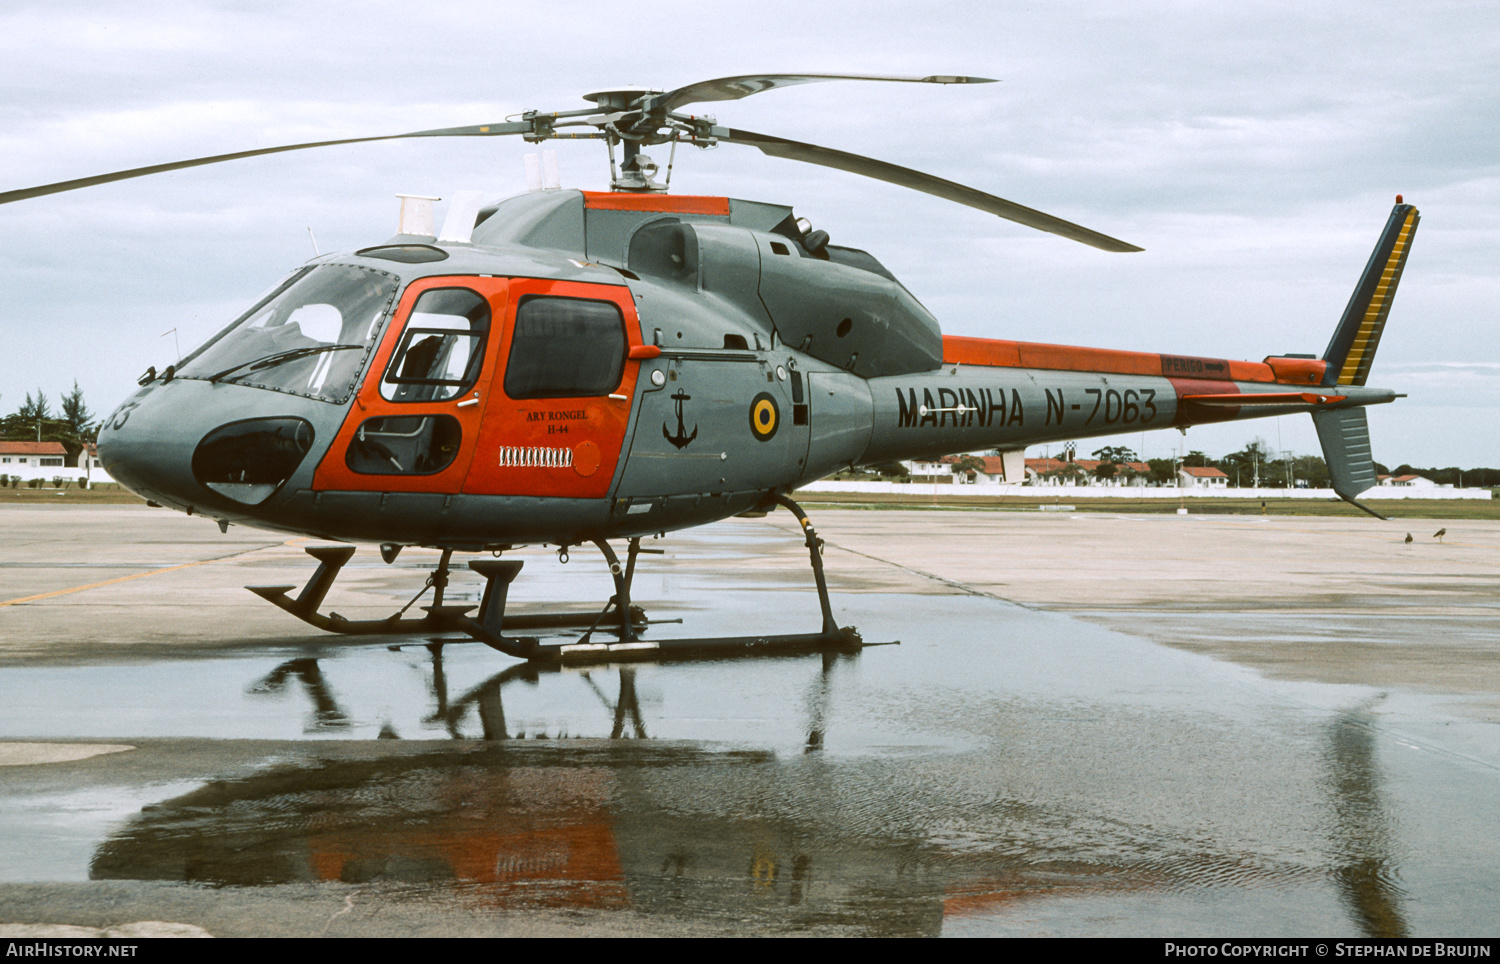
x: 1345, y: 432
x: 1358, y: 335
x: 1345, y: 435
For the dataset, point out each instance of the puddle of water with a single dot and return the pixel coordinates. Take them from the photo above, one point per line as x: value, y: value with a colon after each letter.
x: 53, y: 836
x: 1003, y: 771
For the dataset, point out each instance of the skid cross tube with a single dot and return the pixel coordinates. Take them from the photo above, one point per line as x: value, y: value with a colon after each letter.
x: 632, y: 646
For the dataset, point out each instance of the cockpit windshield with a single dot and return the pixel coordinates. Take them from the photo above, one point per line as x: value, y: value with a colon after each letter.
x: 310, y: 336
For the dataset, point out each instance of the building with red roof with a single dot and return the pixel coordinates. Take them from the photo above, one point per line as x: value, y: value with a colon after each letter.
x: 1197, y: 476
x: 33, y: 454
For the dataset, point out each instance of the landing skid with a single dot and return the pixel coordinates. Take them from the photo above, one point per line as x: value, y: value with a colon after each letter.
x: 619, y: 619
x: 331, y: 560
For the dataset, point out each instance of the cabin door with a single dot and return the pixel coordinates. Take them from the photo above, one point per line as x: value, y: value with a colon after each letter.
x: 415, y: 421
x: 556, y: 416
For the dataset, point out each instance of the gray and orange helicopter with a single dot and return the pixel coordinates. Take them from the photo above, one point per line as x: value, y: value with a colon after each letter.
x: 569, y: 366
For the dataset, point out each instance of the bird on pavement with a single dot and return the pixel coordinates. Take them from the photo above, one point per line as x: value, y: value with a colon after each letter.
x: 1438, y: 535
x: 1408, y: 538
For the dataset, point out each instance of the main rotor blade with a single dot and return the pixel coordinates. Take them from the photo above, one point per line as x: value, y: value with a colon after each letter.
x: 733, y: 88
x: 483, y: 130
x: 926, y: 183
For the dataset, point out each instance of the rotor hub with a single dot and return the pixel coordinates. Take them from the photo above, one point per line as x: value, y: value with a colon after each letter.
x: 619, y: 98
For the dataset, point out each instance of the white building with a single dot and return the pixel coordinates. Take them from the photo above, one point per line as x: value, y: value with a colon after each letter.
x: 1196, y: 477
x: 48, y: 461
x: 1408, y: 482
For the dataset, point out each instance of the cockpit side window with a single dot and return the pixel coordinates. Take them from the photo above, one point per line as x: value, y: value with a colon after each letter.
x: 565, y: 348
x: 442, y: 348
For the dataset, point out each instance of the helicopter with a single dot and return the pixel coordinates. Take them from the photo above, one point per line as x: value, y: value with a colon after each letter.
x: 568, y: 366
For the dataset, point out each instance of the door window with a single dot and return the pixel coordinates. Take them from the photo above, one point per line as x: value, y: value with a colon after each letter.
x: 441, y: 349
x: 565, y: 348
x: 404, y: 445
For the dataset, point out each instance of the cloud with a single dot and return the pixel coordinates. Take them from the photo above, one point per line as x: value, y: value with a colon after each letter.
x: 1253, y: 150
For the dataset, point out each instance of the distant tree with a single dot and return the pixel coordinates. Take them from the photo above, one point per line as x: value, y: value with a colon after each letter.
x: 968, y: 463
x: 1115, y: 453
x: 1412, y: 470
x: 76, y: 413
x: 1163, y: 471
x: 1197, y: 459
x: 1249, y: 461
x: 39, y: 409
x: 16, y: 425
x: 1453, y: 475
x: 888, y: 469
x: 1065, y: 470
x: 81, y: 428
x: 34, y: 421
x: 1313, y: 471
x: 1105, y: 471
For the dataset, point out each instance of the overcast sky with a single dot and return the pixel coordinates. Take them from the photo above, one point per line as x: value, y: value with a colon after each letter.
x: 1254, y: 151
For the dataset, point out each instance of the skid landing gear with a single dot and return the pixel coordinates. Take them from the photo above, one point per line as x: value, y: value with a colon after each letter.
x: 619, y: 621
x: 331, y: 560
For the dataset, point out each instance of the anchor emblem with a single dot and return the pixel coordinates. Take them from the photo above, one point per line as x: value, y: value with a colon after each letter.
x: 681, y: 439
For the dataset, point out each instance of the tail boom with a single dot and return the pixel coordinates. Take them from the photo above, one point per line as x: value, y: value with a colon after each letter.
x: 1010, y: 394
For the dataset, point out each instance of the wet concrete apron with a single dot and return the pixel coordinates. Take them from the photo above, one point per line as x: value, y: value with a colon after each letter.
x: 1002, y: 771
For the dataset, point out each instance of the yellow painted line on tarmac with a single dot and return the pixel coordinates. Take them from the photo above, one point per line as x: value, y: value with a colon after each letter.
x: 139, y: 575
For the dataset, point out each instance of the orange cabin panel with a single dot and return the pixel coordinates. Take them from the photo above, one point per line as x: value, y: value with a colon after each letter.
x: 567, y: 447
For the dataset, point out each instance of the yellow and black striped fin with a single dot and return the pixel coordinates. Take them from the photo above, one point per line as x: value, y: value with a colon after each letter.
x: 1358, y: 335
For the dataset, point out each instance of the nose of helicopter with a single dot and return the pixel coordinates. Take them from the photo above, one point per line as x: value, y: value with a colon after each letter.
x: 146, y: 445
x: 199, y: 446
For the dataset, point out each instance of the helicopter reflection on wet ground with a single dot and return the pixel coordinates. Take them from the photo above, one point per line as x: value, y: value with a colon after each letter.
x: 1014, y: 772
